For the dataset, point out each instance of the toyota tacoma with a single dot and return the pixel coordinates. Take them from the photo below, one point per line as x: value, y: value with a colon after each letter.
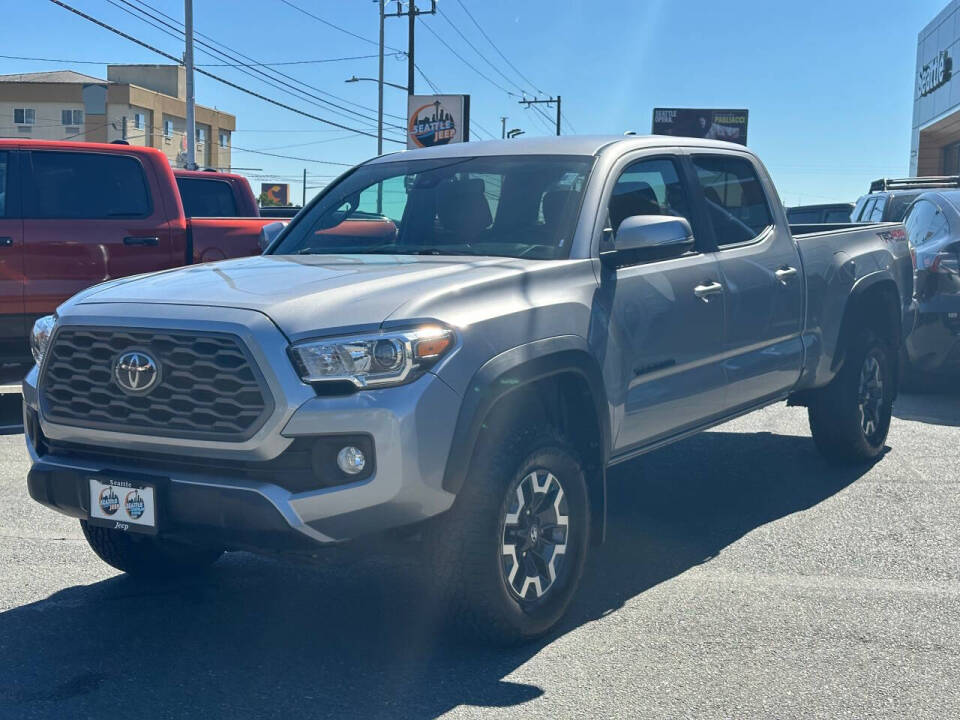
x: 455, y: 344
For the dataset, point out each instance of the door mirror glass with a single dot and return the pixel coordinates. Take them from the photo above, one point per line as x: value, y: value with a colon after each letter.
x: 651, y: 237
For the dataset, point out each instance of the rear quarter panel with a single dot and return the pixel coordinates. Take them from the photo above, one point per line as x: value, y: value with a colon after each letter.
x: 839, y: 264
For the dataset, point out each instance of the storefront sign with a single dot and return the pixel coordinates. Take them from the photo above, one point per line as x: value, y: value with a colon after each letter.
x: 935, y: 73
x: 729, y: 125
x: 437, y: 120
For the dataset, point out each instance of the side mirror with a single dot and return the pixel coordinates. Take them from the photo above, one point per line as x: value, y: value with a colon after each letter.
x: 269, y: 232
x: 650, y: 237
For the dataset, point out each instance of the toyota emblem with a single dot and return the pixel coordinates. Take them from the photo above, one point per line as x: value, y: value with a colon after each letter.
x: 136, y: 372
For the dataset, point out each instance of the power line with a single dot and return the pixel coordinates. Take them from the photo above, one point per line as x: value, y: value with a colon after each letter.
x: 268, y: 79
x: 480, y: 54
x: 465, y: 61
x: 219, y: 79
x: 506, y: 59
x: 337, y: 27
x: 279, y: 63
x: 493, y: 45
x: 291, y: 157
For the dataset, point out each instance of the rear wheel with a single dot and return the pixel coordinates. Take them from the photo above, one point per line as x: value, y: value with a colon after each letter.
x: 512, y: 550
x: 850, y: 417
x: 146, y: 556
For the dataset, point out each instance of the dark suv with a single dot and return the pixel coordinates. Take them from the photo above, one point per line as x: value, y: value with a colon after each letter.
x: 889, y: 199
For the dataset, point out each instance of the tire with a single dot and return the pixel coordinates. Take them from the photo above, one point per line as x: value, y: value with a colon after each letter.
x: 850, y: 417
x: 494, y: 559
x: 145, y: 556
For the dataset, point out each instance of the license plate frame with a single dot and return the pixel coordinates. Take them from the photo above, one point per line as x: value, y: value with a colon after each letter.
x: 127, y: 504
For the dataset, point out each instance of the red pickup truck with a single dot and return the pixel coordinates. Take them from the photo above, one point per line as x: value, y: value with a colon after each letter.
x: 76, y: 214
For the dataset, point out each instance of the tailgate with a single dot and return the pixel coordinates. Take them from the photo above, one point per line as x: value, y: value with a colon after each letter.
x: 225, y: 238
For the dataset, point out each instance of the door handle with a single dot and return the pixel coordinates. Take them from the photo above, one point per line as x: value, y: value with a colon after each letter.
x: 705, y: 290
x: 6, y: 242
x: 785, y: 274
x: 150, y: 241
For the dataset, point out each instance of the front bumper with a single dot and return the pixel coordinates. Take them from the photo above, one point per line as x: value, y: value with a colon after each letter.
x: 239, y: 495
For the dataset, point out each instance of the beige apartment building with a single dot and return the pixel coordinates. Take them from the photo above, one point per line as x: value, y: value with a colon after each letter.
x: 142, y: 104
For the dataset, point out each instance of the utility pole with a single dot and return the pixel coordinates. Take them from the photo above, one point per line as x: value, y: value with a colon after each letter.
x: 411, y: 15
x: 191, y: 101
x: 547, y: 102
x: 303, y: 202
x: 503, y: 127
x: 380, y: 86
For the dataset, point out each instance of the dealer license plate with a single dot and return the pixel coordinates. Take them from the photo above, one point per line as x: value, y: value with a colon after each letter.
x: 120, y: 504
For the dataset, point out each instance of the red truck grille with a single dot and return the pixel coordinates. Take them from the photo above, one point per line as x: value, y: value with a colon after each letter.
x: 206, y: 386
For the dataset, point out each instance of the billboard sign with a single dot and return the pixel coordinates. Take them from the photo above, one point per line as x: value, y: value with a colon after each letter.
x: 437, y: 120
x: 274, y: 194
x: 729, y: 125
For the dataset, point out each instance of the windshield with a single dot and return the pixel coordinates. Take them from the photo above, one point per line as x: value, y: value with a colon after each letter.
x: 513, y: 206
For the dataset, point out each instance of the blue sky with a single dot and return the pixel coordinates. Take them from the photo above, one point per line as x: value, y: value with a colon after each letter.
x: 829, y: 85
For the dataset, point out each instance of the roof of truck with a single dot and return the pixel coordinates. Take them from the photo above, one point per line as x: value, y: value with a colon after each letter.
x: 553, y: 145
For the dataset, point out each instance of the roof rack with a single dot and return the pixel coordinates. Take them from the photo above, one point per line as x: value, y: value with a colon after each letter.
x: 915, y: 183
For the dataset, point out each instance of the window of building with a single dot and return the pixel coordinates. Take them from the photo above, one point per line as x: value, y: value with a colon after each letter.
x: 139, y: 121
x: 87, y: 185
x: 207, y: 198
x: 224, y: 139
x: 168, y: 128
x: 735, y: 200
x: 201, y: 135
x: 71, y: 117
x: 24, y: 116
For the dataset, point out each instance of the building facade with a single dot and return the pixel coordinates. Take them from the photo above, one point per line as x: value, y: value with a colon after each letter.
x: 141, y: 104
x: 935, y: 143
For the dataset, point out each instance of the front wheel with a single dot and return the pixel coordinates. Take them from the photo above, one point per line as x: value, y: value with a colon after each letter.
x: 850, y: 417
x: 512, y: 550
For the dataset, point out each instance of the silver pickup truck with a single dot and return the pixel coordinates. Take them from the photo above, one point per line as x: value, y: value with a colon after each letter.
x: 454, y: 344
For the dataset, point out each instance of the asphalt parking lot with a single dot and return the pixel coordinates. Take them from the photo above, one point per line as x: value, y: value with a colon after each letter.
x: 742, y: 577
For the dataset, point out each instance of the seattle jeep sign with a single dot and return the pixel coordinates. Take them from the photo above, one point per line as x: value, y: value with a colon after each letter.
x: 934, y: 74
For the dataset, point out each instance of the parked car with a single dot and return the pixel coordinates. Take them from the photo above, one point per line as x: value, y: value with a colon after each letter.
x: 456, y: 343
x: 889, y: 199
x: 933, y: 230
x: 828, y: 213
x: 76, y: 214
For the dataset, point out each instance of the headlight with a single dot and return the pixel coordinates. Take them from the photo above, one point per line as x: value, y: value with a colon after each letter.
x: 374, y: 360
x: 40, y: 336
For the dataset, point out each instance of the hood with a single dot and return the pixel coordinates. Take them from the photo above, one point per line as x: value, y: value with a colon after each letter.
x: 303, y: 295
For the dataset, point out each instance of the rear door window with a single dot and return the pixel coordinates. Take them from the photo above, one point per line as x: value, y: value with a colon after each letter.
x: 207, y: 198
x: 735, y: 200
x: 876, y: 214
x: 84, y: 185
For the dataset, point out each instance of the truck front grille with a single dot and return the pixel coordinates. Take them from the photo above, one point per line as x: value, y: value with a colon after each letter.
x: 208, y: 385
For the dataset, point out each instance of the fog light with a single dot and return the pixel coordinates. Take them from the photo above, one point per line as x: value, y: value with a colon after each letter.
x: 351, y: 460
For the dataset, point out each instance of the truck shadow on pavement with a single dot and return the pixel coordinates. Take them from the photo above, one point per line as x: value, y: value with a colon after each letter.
x: 273, y: 638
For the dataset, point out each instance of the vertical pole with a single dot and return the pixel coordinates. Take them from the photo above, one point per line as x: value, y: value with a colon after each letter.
x: 411, y: 66
x: 380, y: 109
x: 379, y: 86
x: 303, y: 202
x: 503, y: 128
x: 558, y: 115
x: 188, y: 63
